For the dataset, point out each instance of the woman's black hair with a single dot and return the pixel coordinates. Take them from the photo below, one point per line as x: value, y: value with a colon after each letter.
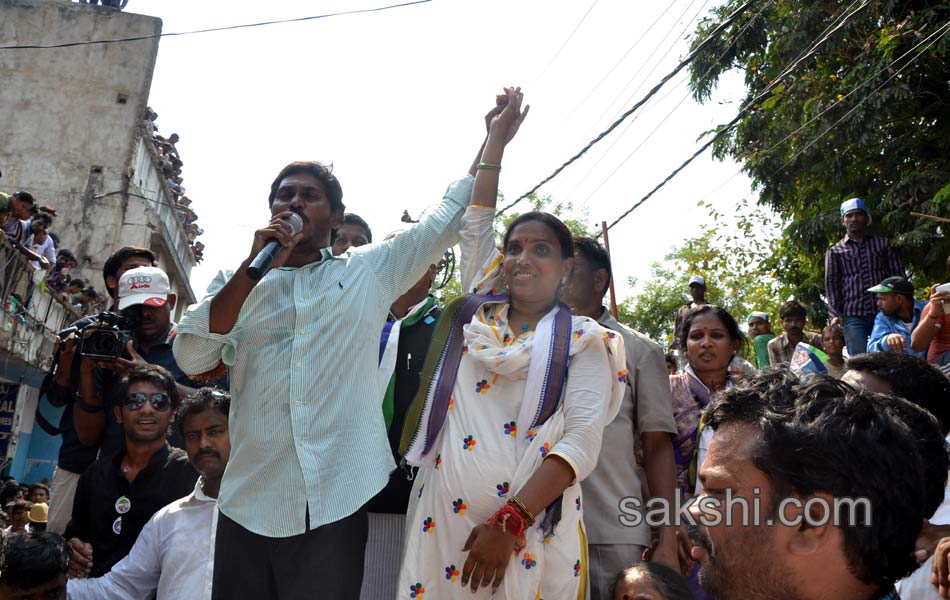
x: 722, y: 314
x: 669, y: 583
x: 561, y: 232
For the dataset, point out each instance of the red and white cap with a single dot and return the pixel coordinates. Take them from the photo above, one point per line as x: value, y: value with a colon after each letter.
x: 143, y: 285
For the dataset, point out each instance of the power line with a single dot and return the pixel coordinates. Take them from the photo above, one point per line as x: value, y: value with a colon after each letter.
x: 708, y: 41
x: 213, y: 29
x: 742, y: 112
x: 735, y: 40
x: 569, y: 37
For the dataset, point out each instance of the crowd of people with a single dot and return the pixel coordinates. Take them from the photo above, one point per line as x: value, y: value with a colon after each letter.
x: 328, y: 430
x: 170, y: 163
x: 28, y: 228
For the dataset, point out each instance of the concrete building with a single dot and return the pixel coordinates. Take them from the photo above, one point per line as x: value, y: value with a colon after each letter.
x: 72, y: 133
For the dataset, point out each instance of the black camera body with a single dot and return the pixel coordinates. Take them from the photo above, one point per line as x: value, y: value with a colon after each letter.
x: 105, y: 339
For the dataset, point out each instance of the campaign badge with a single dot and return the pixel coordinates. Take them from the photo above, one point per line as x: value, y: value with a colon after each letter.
x: 123, y: 505
x: 117, y: 526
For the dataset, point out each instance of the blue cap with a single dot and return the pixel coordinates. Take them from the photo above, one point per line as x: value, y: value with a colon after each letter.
x: 853, y: 204
x: 697, y: 279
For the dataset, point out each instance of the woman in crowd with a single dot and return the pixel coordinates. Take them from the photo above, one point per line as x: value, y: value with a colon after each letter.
x: 651, y: 581
x: 932, y: 333
x: 710, y: 338
x: 513, y: 416
x: 832, y: 341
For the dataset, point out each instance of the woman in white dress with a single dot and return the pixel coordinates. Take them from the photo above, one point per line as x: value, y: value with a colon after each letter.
x: 512, y: 418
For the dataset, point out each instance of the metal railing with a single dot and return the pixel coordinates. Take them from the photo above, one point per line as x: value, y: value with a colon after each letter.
x: 28, y: 330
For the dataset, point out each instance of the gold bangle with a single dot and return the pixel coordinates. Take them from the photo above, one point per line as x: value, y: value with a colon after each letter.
x: 522, y: 509
x: 485, y: 165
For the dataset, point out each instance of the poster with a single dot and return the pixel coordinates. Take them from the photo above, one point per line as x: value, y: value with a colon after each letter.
x: 8, y: 395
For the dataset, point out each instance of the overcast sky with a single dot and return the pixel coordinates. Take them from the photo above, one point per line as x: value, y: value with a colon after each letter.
x: 395, y: 101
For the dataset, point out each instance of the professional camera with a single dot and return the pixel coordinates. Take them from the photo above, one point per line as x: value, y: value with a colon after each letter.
x: 106, y: 338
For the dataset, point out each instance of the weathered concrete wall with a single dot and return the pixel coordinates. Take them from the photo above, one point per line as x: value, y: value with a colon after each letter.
x: 69, y: 118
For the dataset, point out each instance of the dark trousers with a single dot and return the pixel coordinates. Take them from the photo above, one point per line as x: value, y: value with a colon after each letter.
x: 326, y: 562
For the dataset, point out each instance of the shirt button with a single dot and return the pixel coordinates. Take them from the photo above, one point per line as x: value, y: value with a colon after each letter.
x: 297, y: 402
x: 298, y: 364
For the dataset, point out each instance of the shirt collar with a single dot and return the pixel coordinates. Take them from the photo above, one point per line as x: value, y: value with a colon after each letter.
x: 160, y: 456
x: 326, y: 255
x: 199, y: 494
x: 605, y: 317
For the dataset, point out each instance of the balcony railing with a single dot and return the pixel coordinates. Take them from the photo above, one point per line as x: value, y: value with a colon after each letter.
x: 151, y: 185
x: 27, y: 332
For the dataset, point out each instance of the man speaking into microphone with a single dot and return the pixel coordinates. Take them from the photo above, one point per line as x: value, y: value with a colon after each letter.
x: 309, y: 445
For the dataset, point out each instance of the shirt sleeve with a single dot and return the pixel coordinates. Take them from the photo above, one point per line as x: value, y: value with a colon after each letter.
x: 480, y: 259
x: 832, y: 282
x: 878, y: 334
x: 651, y: 383
x: 774, y: 357
x: 198, y: 351
x: 590, y: 403
x: 132, y: 578
x: 401, y: 261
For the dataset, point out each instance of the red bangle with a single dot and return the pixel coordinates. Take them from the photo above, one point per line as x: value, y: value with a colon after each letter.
x: 509, y: 520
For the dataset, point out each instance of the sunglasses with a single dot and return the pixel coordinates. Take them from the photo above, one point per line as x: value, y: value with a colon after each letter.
x: 160, y: 402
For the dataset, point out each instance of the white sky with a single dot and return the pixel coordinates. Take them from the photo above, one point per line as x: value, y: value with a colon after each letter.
x: 396, y: 100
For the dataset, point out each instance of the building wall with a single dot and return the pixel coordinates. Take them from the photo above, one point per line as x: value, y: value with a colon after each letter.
x: 70, y: 121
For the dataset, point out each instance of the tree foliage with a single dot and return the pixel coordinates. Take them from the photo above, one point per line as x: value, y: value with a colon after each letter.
x: 867, y: 114
x: 733, y: 255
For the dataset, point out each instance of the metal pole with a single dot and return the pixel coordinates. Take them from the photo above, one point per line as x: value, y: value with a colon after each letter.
x: 613, y: 295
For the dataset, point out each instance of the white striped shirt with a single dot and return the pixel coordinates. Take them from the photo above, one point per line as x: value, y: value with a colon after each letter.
x: 306, y: 426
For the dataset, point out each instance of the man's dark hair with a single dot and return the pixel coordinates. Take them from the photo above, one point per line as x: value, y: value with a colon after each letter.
x: 911, y: 378
x: 154, y: 374
x: 596, y: 255
x: 65, y: 254
x: 932, y: 445
x: 8, y: 493
x: 38, y: 486
x: 791, y: 309
x: 78, y: 282
x: 668, y: 583
x: 354, y: 219
x: 114, y: 262
x: 728, y: 321
x: 323, y: 173
x: 46, y: 218
x: 561, y: 232
x: 202, y: 400
x: 30, y: 560
x: 25, y: 197
x: 845, y: 443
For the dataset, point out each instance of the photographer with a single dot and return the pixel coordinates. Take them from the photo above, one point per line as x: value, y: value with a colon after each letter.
x: 82, y: 385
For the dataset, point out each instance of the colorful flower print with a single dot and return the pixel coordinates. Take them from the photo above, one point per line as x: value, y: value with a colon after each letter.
x: 622, y: 376
x: 438, y: 461
x: 609, y: 335
x: 511, y: 429
x: 468, y: 443
x: 451, y: 573
x: 528, y: 560
x: 458, y: 507
x: 530, y: 435
x: 416, y: 591
x: 428, y: 525
x: 577, y: 568
x: 482, y: 387
x: 451, y: 403
x: 502, y: 489
x: 578, y: 333
x: 545, y: 448
x: 577, y: 503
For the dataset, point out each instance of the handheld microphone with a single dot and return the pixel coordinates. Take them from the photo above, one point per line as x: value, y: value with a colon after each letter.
x: 269, y: 252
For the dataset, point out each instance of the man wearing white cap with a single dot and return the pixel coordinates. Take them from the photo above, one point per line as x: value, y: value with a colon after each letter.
x: 697, y: 291
x: 853, y: 265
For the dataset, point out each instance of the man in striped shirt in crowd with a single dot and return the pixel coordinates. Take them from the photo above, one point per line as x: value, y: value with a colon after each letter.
x: 856, y: 263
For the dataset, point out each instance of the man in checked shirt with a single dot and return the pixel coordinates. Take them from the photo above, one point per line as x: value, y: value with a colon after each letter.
x: 856, y: 263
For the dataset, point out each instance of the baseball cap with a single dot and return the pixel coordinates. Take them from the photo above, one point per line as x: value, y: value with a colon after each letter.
x: 897, y: 285
x: 759, y: 315
x: 143, y: 285
x: 697, y: 279
x: 853, y: 204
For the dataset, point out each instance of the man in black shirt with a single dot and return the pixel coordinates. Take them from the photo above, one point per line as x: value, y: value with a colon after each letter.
x: 117, y: 495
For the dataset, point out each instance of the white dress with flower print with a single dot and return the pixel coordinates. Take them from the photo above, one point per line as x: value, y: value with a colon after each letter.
x: 483, y: 455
